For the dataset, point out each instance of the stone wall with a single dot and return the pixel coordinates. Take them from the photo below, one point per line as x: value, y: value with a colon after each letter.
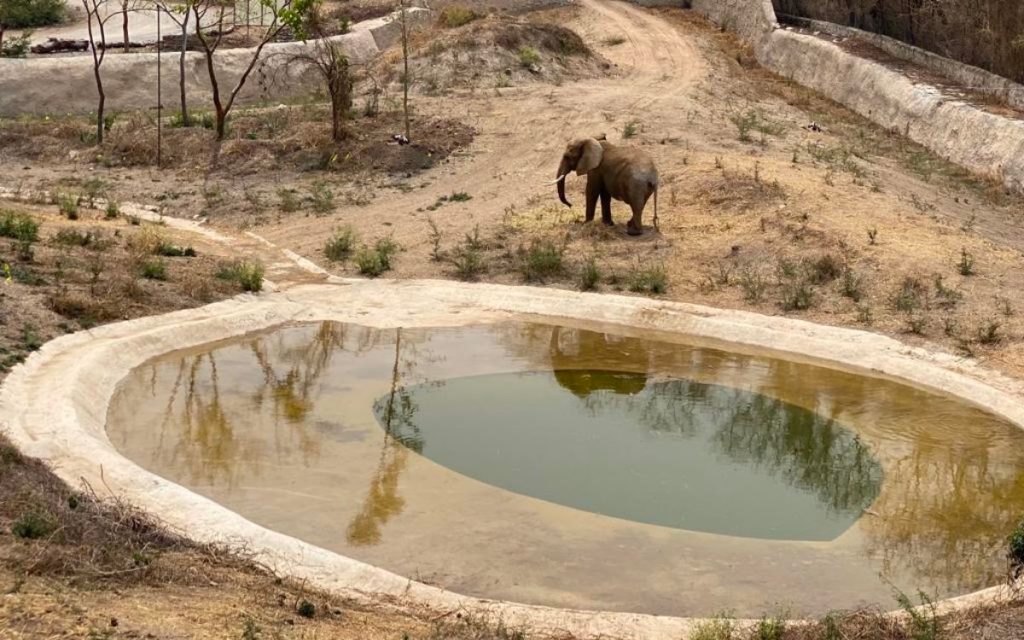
x: 981, y: 141
x: 65, y: 84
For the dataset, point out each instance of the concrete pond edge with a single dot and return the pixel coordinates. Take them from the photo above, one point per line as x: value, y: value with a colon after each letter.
x: 54, y: 407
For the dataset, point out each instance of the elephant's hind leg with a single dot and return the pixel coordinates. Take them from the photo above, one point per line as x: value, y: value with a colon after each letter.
x: 606, y: 207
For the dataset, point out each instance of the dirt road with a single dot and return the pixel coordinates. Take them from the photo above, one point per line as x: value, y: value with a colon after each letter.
x: 522, y: 130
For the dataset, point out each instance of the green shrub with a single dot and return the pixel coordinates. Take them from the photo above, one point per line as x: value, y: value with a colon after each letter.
x: 717, y: 628
x: 823, y: 269
x: 542, y: 260
x: 340, y: 245
x: 528, y: 56
x: 457, y: 16
x: 322, y: 198
x: 203, y: 119
x: 853, y: 285
x: 770, y: 629
x: 22, y: 14
x: 68, y: 206
x: 16, y: 47
x: 797, y: 295
x: 154, y: 270
x: 369, y: 262
x: 169, y: 250
x: 375, y: 260
x: 1016, y: 549
x: 630, y: 129
x: 590, y: 275
x: 247, y: 274
x: 289, y: 201
x: 911, y: 295
x: 652, y: 279
x: 113, y: 210
x: 32, y: 526
x: 306, y: 609
x: 467, y: 258
x: 19, y: 226
x: 75, y: 238
x: 924, y: 623
x: 966, y: 265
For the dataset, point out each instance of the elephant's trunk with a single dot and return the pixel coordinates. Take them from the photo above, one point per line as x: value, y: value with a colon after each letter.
x: 563, y: 172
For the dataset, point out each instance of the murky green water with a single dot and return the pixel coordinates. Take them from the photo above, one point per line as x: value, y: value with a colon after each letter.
x: 675, y: 453
x: 576, y: 468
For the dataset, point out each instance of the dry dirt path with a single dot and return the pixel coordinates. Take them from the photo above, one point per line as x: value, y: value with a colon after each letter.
x: 521, y: 131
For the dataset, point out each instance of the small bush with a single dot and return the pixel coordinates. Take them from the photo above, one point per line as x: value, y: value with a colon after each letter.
x: 339, y: 246
x: 68, y: 206
x: 528, y: 56
x: 16, y: 47
x: 169, y: 250
x: 153, y: 270
x: 32, y: 526
x: 1016, y: 545
x: 966, y: 265
x: 590, y: 275
x: 19, y: 226
x: 754, y: 284
x: 460, y: 196
x: 988, y: 333
x: 457, y: 16
x: 541, y: 260
x: 75, y: 238
x: 322, y: 198
x: 289, y: 200
x: 306, y: 609
x: 467, y: 258
x: 436, y: 253
x: 203, y: 119
x: 247, y: 274
x: 947, y: 297
x: 824, y: 269
x: 853, y: 285
x: 113, y: 210
x: 630, y: 129
x: 797, y: 295
x: 924, y: 625
x: 771, y: 629
x: 911, y: 295
x: 369, y: 262
x: 717, y: 628
x: 652, y: 279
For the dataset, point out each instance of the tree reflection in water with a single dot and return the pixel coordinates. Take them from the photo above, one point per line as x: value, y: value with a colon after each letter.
x: 396, y: 412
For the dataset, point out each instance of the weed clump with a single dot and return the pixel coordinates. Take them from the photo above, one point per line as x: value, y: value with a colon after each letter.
x: 910, y: 296
x: 247, y: 274
x: 68, y: 206
x: 650, y: 279
x: 541, y: 260
x: 340, y: 245
x: 528, y: 56
x: 154, y: 270
x: 375, y: 260
x: 467, y: 257
x: 590, y: 275
x: 457, y: 16
x: 306, y: 609
x: 32, y: 526
x: 18, y: 226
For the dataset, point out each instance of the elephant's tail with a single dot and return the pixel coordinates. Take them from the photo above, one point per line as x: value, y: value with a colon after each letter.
x: 654, y: 185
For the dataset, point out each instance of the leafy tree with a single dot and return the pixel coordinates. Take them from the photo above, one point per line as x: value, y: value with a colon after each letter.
x: 22, y: 14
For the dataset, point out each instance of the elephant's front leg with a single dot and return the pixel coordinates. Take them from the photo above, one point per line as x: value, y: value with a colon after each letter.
x: 593, y: 191
x: 606, y: 207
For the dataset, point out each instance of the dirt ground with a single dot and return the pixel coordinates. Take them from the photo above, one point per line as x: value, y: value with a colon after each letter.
x: 843, y: 223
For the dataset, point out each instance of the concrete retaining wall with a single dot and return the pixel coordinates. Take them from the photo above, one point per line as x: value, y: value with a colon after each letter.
x: 65, y: 84
x: 971, y: 77
x: 983, y: 142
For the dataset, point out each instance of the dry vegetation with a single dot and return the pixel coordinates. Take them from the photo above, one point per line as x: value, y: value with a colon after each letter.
x: 986, y: 33
x: 850, y: 226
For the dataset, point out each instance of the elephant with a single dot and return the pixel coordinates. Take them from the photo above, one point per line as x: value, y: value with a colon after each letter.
x: 627, y: 174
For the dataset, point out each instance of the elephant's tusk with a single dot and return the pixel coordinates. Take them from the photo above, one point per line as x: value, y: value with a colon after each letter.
x: 556, y: 181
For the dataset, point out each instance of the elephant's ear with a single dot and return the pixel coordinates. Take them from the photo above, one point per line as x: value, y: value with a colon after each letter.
x: 593, y: 153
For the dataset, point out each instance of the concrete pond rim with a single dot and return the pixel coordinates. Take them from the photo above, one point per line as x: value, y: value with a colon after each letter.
x: 54, y: 407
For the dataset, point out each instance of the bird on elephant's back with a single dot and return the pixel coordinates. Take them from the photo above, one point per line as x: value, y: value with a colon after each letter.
x: 614, y: 172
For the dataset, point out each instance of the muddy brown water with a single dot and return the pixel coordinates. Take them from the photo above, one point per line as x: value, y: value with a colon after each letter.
x: 573, y: 468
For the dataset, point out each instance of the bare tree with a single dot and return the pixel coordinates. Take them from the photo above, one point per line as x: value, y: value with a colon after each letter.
x: 405, y: 71
x: 124, y: 26
x: 96, y: 23
x: 180, y: 13
x: 283, y: 13
x: 330, y: 62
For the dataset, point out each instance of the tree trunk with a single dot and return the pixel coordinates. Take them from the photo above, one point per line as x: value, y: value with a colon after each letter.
x: 405, y: 76
x: 124, y: 28
x: 100, y: 106
x: 181, y: 71
x: 2, y: 29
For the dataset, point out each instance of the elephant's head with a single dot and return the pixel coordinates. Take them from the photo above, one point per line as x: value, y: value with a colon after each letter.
x: 582, y: 156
